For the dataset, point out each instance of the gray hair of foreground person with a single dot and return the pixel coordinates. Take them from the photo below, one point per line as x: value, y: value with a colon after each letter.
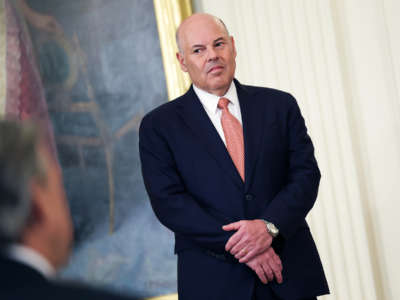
x: 20, y: 163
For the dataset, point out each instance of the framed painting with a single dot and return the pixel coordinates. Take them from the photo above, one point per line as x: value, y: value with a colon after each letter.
x: 97, y: 67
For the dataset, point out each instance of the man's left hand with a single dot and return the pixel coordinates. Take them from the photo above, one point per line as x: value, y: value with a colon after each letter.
x: 251, y: 239
x: 267, y: 266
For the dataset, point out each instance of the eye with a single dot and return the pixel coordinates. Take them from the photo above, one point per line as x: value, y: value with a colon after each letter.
x: 218, y: 44
x: 196, y: 50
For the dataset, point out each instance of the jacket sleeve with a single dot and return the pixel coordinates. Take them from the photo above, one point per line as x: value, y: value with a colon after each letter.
x: 289, y: 207
x: 172, y: 203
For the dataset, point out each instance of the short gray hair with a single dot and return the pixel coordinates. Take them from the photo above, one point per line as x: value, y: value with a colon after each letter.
x: 20, y: 162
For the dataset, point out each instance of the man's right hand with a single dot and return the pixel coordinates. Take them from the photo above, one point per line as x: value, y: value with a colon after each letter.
x: 267, y: 265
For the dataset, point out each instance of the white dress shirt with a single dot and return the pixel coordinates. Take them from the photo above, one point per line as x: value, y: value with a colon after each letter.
x: 210, y: 104
x: 31, y: 258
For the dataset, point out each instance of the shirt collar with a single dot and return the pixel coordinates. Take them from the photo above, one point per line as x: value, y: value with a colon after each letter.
x: 210, y: 101
x: 32, y: 258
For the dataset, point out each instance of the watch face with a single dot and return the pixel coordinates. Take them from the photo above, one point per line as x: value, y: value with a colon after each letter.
x: 272, y: 229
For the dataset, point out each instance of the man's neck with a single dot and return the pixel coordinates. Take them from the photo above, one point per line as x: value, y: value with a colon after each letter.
x: 218, y: 93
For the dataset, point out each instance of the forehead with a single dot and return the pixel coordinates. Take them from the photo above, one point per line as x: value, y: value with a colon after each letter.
x: 201, y: 32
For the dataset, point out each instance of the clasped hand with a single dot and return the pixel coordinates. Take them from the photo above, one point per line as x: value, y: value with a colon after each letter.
x: 251, y: 244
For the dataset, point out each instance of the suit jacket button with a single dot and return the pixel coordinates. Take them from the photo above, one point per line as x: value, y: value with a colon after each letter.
x: 249, y: 197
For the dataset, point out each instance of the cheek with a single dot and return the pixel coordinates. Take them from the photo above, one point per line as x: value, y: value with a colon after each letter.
x: 198, y: 68
x: 196, y: 73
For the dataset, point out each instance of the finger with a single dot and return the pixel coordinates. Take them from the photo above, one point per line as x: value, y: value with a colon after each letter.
x: 268, y: 271
x: 276, y: 259
x: 277, y: 273
x: 251, y: 252
x: 239, y: 247
x: 276, y: 266
x: 249, y: 256
x: 233, y: 240
x: 231, y: 226
x: 238, y: 253
x: 278, y: 276
x: 260, y: 273
x: 278, y: 262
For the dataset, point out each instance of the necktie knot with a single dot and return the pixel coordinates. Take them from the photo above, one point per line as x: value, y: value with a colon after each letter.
x: 223, y: 103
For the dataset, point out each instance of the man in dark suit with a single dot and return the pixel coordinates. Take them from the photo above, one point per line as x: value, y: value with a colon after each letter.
x: 35, y: 225
x: 230, y: 169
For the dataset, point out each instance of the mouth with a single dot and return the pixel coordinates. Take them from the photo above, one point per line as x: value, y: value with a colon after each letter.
x: 215, y: 69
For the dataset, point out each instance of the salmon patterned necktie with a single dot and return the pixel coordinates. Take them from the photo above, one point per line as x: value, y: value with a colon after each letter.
x: 233, y: 132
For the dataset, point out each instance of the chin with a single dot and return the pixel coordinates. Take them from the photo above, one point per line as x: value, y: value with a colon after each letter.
x: 221, y: 86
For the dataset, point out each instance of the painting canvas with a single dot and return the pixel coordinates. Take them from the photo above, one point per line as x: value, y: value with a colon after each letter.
x: 101, y: 71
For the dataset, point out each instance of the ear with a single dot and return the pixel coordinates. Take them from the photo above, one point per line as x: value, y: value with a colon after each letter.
x: 233, y: 46
x: 181, y: 60
x: 38, y: 201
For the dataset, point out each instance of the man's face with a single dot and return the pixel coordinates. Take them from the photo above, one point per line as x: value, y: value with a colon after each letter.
x: 207, y: 54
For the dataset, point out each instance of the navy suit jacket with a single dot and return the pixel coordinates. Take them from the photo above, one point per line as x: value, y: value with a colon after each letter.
x: 195, y: 189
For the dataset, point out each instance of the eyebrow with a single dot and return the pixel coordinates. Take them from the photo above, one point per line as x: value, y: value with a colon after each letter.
x: 215, y: 41
x: 219, y: 39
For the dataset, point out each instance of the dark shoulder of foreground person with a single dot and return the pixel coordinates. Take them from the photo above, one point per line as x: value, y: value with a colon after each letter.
x: 65, y: 291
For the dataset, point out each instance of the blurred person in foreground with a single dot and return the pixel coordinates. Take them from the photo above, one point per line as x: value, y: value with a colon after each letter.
x: 230, y: 169
x: 35, y: 225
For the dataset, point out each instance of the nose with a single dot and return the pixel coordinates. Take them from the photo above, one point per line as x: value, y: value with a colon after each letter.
x: 212, y: 54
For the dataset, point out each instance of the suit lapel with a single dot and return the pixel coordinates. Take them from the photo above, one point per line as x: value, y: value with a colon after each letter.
x: 196, y: 118
x: 254, y: 117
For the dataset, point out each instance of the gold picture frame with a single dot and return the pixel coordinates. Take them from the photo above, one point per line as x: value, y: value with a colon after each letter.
x: 166, y: 297
x: 169, y: 14
x: 3, y: 50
